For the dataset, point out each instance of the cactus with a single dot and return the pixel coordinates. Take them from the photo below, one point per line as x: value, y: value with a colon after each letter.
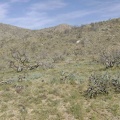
x: 98, y: 84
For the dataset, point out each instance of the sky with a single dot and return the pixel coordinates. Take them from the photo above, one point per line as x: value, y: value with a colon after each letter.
x: 38, y: 14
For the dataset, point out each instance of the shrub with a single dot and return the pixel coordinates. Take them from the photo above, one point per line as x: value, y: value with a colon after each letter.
x: 98, y: 84
x: 110, y: 58
x: 116, y: 83
x: 58, y: 57
x: 102, y: 84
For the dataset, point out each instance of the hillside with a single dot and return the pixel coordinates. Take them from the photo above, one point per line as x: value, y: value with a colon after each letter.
x: 60, y: 73
x: 51, y: 41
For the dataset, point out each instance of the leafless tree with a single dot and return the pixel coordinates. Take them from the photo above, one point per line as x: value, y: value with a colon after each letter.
x: 18, y: 61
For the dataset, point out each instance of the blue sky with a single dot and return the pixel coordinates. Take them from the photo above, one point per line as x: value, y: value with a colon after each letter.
x: 37, y: 14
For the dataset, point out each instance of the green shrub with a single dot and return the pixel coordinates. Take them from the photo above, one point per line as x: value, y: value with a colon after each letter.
x: 102, y: 84
x: 98, y: 84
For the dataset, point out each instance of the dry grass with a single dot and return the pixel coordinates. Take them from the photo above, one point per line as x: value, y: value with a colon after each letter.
x: 45, y: 97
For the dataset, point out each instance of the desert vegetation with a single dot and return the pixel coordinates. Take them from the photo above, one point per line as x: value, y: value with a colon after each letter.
x: 60, y: 73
